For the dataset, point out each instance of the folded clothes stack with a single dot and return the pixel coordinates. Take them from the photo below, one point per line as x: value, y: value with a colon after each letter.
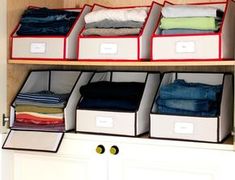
x: 105, y: 95
x: 115, y: 22
x: 40, y: 110
x: 190, y: 99
x: 190, y: 19
x: 43, y: 21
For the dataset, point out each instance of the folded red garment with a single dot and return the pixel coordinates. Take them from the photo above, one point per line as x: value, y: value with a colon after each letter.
x: 37, y: 120
x: 39, y: 127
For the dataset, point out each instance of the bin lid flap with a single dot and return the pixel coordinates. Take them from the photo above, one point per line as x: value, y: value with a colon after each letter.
x: 33, y: 140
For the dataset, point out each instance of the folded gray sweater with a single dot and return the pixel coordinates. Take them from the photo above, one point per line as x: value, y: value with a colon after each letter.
x: 173, y: 11
x: 114, y: 24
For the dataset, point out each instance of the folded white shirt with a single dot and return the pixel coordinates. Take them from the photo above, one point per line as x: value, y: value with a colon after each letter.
x: 174, y: 11
x: 132, y: 14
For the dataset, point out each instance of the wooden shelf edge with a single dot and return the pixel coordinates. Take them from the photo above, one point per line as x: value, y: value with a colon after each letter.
x: 131, y: 64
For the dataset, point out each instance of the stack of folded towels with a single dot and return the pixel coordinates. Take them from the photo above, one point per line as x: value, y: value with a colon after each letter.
x: 41, y: 110
x: 43, y: 21
x: 115, y: 22
x: 190, y: 19
x: 104, y: 95
x: 190, y: 99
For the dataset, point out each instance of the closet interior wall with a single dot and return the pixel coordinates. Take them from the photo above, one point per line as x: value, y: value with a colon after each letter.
x: 3, y: 59
x: 17, y: 73
x: 77, y: 3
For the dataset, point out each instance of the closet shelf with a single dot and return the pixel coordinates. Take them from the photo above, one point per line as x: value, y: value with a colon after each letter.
x: 128, y: 64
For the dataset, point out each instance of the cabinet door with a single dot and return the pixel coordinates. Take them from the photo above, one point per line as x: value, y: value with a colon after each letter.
x: 84, y: 148
x: 170, y: 163
x: 38, y: 167
x: 76, y: 159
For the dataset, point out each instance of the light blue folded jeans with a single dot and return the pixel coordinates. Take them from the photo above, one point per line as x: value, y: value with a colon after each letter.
x: 182, y: 90
x: 172, y: 111
x: 189, y: 105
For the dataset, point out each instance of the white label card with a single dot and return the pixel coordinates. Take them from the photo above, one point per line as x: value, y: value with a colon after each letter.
x: 185, y: 47
x: 184, y: 128
x: 106, y: 122
x: 38, y: 48
x: 108, y: 48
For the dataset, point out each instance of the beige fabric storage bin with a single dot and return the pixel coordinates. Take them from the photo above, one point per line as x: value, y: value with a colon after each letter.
x: 35, y: 137
x: 120, y: 48
x: 49, y: 47
x: 207, y: 46
x: 208, y: 129
x: 117, y: 122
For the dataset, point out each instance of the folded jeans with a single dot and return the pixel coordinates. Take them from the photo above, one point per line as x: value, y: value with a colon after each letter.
x: 179, y: 89
x: 172, y: 111
x: 189, y: 105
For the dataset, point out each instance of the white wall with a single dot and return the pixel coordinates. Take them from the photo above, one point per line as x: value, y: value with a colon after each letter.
x: 3, y: 58
x: 3, y: 70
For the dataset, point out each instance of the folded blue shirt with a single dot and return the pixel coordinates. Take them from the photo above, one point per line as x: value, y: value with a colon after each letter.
x: 47, y: 97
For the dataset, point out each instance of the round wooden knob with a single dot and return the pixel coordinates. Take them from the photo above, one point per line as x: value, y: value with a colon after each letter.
x: 100, y: 149
x: 114, y: 150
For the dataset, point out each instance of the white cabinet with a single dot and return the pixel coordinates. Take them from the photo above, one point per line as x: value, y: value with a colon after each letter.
x: 76, y: 160
x: 171, y: 163
x: 137, y: 159
x: 38, y: 167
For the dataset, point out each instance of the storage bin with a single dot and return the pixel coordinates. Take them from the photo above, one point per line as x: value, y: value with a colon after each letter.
x: 120, y: 48
x: 48, y: 47
x: 207, y: 46
x: 118, y: 122
x: 195, y: 128
x: 35, y: 136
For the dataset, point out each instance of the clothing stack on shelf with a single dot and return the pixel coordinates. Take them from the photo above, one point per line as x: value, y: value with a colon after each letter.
x: 115, y: 22
x: 104, y: 95
x: 190, y: 19
x: 44, y: 21
x: 40, y: 110
x: 189, y: 99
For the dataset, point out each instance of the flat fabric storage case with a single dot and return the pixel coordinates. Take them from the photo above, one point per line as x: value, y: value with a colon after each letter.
x: 204, y: 46
x: 116, y: 121
x: 60, y: 47
x: 208, y: 128
x: 121, y: 48
x: 43, y: 136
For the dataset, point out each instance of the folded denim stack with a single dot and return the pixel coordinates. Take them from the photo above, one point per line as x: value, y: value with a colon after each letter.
x: 115, y: 22
x: 43, y: 21
x: 106, y: 95
x: 190, y: 99
x: 190, y: 19
x: 40, y: 110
